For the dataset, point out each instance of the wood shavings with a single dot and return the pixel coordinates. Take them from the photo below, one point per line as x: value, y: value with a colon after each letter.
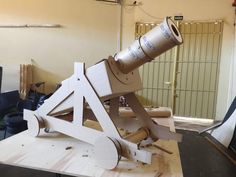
x: 144, y: 164
x: 69, y: 147
x: 162, y: 149
x: 148, y: 145
x: 158, y: 174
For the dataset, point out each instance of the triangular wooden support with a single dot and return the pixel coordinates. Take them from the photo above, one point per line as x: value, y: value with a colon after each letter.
x: 80, y: 91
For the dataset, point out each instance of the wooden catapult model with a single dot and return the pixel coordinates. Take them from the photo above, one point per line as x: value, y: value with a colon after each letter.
x: 81, y: 97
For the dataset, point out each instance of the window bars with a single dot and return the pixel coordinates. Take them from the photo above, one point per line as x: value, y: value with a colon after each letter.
x: 193, y: 67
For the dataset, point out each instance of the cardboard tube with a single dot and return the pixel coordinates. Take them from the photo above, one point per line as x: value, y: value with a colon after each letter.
x: 152, y: 44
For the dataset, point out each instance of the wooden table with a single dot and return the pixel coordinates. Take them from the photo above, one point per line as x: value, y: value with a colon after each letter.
x: 59, y: 153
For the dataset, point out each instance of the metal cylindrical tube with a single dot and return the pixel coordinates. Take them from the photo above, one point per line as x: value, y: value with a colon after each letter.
x: 147, y: 47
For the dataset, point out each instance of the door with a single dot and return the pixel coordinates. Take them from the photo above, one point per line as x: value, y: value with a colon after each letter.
x: 186, y: 77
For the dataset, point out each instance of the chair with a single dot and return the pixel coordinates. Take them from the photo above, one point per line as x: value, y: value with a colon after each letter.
x: 224, y: 132
x: 227, y: 116
x: 8, y: 101
x: 14, y: 122
x: 233, y: 141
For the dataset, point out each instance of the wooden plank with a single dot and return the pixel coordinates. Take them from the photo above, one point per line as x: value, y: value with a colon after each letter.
x: 59, y: 153
x: 160, y: 112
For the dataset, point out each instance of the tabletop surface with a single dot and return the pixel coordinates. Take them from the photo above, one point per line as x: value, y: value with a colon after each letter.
x: 55, y: 152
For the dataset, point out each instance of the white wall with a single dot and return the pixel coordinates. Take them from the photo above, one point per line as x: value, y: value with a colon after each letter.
x: 232, y: 82
x: 89, y: 33
x: 192, y: 10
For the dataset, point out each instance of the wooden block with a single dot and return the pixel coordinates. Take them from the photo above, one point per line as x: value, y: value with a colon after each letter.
x: 138, y: 136
x: 106, y: 84
x: 152, y: 112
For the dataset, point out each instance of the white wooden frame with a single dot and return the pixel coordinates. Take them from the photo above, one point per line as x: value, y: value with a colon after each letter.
x: 82, y: 89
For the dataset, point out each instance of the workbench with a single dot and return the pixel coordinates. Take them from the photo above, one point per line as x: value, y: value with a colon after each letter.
x: 58, y: 153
